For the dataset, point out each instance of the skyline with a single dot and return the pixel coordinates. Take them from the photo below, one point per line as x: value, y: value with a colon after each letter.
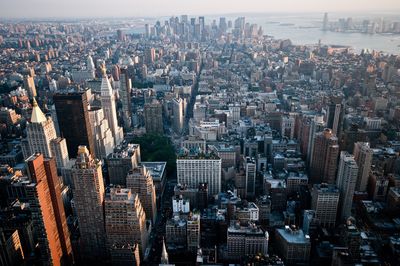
x: 153, y: 8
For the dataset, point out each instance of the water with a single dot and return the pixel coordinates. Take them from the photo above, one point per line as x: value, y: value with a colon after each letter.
x: 307, y: 30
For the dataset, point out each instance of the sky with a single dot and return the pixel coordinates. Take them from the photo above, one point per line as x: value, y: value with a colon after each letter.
x: 154, y: 8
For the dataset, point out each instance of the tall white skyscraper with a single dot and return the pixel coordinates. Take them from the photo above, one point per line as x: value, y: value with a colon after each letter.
x: 363, y: 157
x: 346, y: 182
x: 42, y: 137
x: 102, y: 135
x: 109, y: 108
x: 178, y: 112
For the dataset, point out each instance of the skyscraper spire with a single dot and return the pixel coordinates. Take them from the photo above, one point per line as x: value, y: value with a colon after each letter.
x: 37, y: 114
x: 164, y: 254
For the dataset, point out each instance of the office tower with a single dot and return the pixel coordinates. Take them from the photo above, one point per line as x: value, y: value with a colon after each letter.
x: 89, y: 64
x: 250, y: 168
x: 363, y: 157
x: 140, y: 182
x: 325, y: 24
x: 11, y: 251
x: 334, y: 115
x: 293, y: 245
x: 351, y: 237
x: 325, y: 202
x: 222, y: 25
x: 149, y: 56
x: 89, y: 203
x: 246, y: 240
x: 309, y: 221
x: 43, y: 193
x: 60, y: 152
x: 317, y: 125
x: 73, y: 120
x: 178, y: 113
x: 125, y: 89
x: 29, y: 86
x: 109, y: 108
x: 324, y: 157
x: 101, y: 133
x: 195, y: 169
x: 125, y: 223
x: 121, y: 161
x: 153, y: 120
x: 42, y: 137
x: 346, y: 182
x: 147, y: 30
x: 193, y: 232
x: 40, y: 131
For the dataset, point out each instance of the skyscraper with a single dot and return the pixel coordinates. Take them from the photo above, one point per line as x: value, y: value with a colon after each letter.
x: 125, y: 222
x: 42, y: 137
x: 153, y: 117
x: 178, y: 113
x: 250, y: 167
x: 334, y: 115
x: 109, y: 108
x: 40, y: 131
x: 101, y: 133
x: 363, y: 157
x: 325, y: 25
x: 44, y: 196
x: 195, y: 169
x: 346, y: 182
x: 325, y: 201
x: 73, y: 120
x: 324, y: 157
x: 29, y: 85
x: 121, y: 161
x: 89, y: 203
x: 125, y: 89
x: 141, y: 183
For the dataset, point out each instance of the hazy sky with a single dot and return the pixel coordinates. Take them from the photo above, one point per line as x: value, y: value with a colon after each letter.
x: 117, y: 8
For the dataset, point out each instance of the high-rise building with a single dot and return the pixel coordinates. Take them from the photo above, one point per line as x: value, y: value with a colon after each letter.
x: 73, y: 120
x: 324, y: 157
x: 153, y: 119
x: 178, y: 113
x: 334, y: 115
x: 250, y: 168
x: 59, y: 151
x: 193, y: 232
x: 317, y: 125
x: 325, y: 202
x: 109, y: 108
x: 125, y: 89
x: 43, y: 194
x: 42, y: 137
x: 121, y: 161
x: 29, y: 86
x: 346, y: 182
x: 325, y: 25
x: 89, y: 205
x: 195, y: 169
x: 363, y: 157
x: 140, y: 182
x: 149, y: 56
x: 125, y: 224
x: 293, y: 245
x: 246, y: 240
x: 101, y: 132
